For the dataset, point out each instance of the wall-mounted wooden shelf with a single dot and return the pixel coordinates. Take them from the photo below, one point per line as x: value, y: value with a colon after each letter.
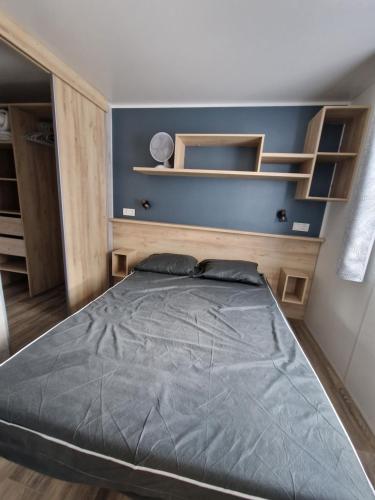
x: 353, y: 122
x: 233, y: 174
x: 253, y: 141
x: 352, y: 119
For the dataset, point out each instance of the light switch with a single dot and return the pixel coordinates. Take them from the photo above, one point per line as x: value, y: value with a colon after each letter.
x: 128, y: 211
x: 301, y: 226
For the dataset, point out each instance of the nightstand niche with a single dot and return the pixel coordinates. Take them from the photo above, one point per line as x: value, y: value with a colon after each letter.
x: 123, y: 260
x: 292, y: 287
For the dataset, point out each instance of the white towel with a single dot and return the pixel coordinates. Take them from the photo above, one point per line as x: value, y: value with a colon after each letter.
x: 4, y: 121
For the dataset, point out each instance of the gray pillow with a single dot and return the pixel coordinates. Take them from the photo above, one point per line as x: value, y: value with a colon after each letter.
x: 240, y: 271
x: 168, y: 263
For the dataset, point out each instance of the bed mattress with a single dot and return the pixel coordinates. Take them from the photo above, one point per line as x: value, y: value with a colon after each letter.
x: 178, y: 388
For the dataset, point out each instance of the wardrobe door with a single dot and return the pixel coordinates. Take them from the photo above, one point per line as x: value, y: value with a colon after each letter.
x: 81, y: 149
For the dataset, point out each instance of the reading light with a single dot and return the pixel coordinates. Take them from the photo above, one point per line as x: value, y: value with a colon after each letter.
x: 281, y: 215
x: 145, y: 204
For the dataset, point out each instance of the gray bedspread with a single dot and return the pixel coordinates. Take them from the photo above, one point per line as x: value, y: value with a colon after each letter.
x: 177, y: 388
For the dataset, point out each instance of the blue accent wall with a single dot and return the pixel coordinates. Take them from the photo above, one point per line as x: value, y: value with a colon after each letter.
x: 248, y: 205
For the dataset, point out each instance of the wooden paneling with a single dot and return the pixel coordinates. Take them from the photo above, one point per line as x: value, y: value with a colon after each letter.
x: 38, y: 196
x: 81, y: 143
x: 271, y: 252
x: 15, y: 36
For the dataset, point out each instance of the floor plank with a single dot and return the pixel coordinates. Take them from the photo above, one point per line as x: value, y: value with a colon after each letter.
x: 30, y: 317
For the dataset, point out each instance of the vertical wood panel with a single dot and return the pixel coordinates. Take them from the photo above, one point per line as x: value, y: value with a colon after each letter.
x: 81, y: 143
x: 37, y: 190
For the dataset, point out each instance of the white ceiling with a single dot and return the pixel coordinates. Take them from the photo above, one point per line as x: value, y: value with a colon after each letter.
x: 20, y: 79
x: 210, y: 51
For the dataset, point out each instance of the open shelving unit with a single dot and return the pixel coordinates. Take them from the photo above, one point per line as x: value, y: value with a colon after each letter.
x: 254, y: 141
x: 339, y: 165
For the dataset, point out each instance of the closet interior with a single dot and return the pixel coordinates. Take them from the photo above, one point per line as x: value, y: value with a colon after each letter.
x: 31, y: 250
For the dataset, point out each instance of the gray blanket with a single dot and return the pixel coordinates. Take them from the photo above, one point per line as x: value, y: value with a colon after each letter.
x: 177, y: 388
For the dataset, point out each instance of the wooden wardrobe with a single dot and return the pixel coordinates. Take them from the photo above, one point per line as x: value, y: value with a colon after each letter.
x: 80, y: 168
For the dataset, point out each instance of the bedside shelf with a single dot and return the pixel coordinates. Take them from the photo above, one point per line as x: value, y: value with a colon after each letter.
x: 122, y: 260
x: 234, y: 174
x: 292, y: 286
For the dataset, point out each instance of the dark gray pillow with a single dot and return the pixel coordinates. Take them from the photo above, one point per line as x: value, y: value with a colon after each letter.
x: 168, y: 263
x: 240, y: 271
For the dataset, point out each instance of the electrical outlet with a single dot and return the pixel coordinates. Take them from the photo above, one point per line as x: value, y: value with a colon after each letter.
x: 301, y: 226
x: 128, y: 211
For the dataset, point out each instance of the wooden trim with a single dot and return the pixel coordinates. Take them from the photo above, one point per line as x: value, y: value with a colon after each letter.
x: 34, y: 50
x: 216, y: 230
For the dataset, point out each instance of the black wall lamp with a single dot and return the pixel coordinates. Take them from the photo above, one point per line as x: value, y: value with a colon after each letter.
x: 145, y: 204
x: 281, y: 215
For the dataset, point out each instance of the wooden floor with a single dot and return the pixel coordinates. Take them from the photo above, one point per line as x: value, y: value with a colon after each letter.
x: 28, y: 318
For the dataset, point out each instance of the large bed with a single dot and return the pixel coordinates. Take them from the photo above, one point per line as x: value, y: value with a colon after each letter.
x: 176, y: 387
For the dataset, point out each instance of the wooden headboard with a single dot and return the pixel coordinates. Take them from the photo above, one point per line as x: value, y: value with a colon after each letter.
x: 272, y: 252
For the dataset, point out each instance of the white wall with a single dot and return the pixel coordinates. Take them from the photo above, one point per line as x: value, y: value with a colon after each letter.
x: 4, y: 348
x: 341, y: 314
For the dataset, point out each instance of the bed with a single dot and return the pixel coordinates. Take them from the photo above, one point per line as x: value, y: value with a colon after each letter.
x: 176, y: 387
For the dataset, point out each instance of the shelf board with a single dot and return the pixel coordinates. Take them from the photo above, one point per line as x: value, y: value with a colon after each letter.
x: 233, y: 174
x: 6, y: 144
x: 10, y: 212
x: 286, y: 157
x: 14, y: 267
x: 291, y: 298
x: 324, y: 198
x: 334, y: 157
x: 246, y: 140
x: 8, y: 179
